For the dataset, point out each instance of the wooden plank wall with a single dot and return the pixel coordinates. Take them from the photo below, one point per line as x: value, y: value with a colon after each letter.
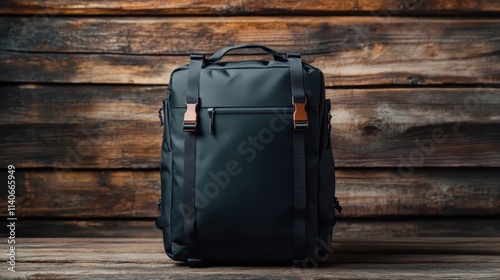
x: 415, y: 88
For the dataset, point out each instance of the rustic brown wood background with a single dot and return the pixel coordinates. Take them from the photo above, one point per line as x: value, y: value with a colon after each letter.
x: 414, y: 83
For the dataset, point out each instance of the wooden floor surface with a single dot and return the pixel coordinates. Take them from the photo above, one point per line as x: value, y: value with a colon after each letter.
x: 132, y: 258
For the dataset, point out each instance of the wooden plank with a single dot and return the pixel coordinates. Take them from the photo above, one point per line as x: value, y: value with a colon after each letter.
x: 345, y: 228
x: 427, y: 192
x: 106, y: 193
x: 408, y: 227
x: 90, y: 228
x: 80, y: 127
x: 220, y: 7
x: 87, y: 68
x: 362, y: 193
x: 156, y: 70
x: 117, y: 144
x: 350, y: 50
x: 479, y: 246
x: 416, y: 258
x: 416, y: 127
x: 353, y: 38
x: 71, y: 104
x: 96, y: 126
x: 117, y: 228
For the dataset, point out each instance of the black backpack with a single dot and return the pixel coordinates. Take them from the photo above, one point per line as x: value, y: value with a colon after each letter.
x: 247, y: 171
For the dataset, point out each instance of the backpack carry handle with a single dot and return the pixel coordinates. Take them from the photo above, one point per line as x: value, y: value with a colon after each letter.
x: 218, y: 55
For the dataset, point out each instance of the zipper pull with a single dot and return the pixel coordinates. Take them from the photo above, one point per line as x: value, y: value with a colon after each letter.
x: 159, y: 205
x: 337, y: 206
x: 329, y: 122
x: 329, y: 109
x: 160, y: 116
x: 211, y: 115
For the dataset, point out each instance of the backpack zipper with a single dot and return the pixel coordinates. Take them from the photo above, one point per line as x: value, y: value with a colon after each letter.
x: 244, y: 110
x: 211, y: 115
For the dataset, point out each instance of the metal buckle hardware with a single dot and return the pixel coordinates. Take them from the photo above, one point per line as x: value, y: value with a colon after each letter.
x: 190, y: 117
x: 300, y: 121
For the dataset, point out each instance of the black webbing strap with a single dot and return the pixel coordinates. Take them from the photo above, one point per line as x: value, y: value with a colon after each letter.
x: 194, y: 71
x: 189, y: 194
x: 299, y: 160
x: 193, y: 88
x: 299, y: 171
x: 295, y: 62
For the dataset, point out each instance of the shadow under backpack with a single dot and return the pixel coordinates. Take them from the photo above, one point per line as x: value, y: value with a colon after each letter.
x: 247, y: 170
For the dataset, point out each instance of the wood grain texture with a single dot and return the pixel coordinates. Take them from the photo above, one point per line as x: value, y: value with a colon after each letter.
x: 365, y: 192
x: 421, y: 258
x: 416, y: 127
x: 222, y: 7
x: 374, y: 192
x: 69, y: 104
x: 349, y: 50
x: 107, y: 193
x: 103, y: 144
x: 96, y: 126
x: 345, y: 228
x: 423, y: 38
x: 79, y: 127
x: 133, y: 46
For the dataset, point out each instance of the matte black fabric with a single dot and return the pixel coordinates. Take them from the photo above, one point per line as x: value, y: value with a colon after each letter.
x: 161, y: 222
x: 297, y: 78
x: 218, y: 55
x: 243, y: 195
x: 299, y: 171
x: 189, y: 193
x: 193, y: 89
x: 194, y: 78
x: 299, y: 160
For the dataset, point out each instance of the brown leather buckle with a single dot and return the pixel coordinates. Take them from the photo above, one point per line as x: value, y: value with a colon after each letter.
x: 190, y: 117
x: 300, y: 121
